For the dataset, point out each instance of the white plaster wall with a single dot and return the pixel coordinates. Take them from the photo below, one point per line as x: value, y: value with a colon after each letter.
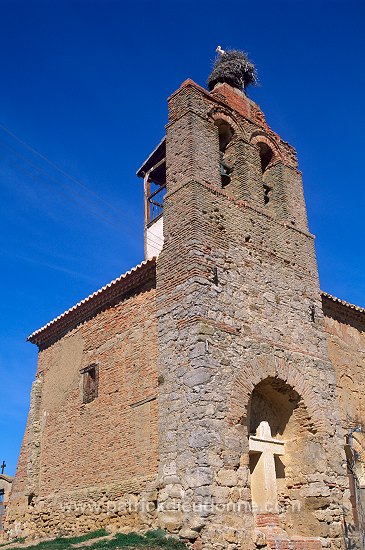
x: 154, y: 239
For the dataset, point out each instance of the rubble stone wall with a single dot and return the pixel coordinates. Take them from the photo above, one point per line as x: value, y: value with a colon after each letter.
x: 345, y: 329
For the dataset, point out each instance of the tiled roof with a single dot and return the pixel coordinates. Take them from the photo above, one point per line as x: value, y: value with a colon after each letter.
x: 94, y: 303
x: 343, y: 302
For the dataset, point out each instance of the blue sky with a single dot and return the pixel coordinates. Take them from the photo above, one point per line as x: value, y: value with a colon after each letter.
x: 86, y: 82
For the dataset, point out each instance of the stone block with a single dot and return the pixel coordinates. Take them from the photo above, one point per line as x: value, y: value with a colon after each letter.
x: 171, y: 521
x: 189, y: 534
x: 227, y: 478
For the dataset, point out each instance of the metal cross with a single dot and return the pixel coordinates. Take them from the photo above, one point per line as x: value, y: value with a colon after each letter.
x: 3, y: 466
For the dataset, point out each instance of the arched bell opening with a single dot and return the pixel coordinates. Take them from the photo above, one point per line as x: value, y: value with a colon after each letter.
x: 225, y: 135
x: 283, y: 456
x: 266, y: 156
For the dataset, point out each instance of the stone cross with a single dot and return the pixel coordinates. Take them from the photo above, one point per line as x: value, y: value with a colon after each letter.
x: 263, y: 449
x: 3, y: 466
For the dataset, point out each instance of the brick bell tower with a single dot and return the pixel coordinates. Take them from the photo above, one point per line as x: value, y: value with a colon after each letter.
x: 250, y: 444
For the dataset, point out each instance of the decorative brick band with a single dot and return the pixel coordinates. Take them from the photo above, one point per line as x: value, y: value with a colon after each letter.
x: 238, y: 202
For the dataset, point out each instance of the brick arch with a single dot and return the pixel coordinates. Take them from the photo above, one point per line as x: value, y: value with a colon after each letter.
x: 257, y: 371
x: 261, y: 137
x: 221, y: 114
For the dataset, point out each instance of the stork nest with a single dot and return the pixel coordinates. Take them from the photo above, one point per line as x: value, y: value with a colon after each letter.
x: 234, y: 68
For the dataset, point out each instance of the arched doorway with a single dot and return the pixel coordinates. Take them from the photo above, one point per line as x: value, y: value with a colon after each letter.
x: 284, y: 455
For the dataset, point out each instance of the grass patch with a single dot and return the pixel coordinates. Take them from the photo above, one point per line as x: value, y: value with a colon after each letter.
x: 3, y: 544
x: 153, y: 540
x: 63, y: 543
x: 83, y: 538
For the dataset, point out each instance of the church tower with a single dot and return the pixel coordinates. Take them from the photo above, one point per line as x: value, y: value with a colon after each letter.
x: 250, y: 443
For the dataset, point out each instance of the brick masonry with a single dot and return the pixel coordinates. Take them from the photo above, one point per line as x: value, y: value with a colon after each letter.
x: 230, y: 331
x: 96, y: 456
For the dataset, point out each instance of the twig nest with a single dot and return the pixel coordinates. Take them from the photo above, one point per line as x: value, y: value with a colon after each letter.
x: 234, y: 68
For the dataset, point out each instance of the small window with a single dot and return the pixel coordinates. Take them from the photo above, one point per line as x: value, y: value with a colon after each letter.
x: 2, y: 492
x: 90, y: 383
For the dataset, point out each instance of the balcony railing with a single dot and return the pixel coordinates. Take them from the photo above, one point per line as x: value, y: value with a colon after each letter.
x: 155, y: 202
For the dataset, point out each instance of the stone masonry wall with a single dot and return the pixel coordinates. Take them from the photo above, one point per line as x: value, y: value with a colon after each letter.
x: 238, y: 302
x: 345, y: 332
x: 89, y: 465
x: 345, y: 329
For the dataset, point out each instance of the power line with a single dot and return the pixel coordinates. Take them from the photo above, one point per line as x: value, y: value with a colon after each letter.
x: 54, y: 165
x: 109, y: 221
x: 104, y: 215
x: 24, y: 159
x: 36, y: 176
x: 55, y: 190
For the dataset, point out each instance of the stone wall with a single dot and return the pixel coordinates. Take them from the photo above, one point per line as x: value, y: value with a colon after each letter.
x: 85, y: 465
x: 345, y: 329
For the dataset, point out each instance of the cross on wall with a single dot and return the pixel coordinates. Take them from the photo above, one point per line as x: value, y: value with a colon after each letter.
x: 263, y: 448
